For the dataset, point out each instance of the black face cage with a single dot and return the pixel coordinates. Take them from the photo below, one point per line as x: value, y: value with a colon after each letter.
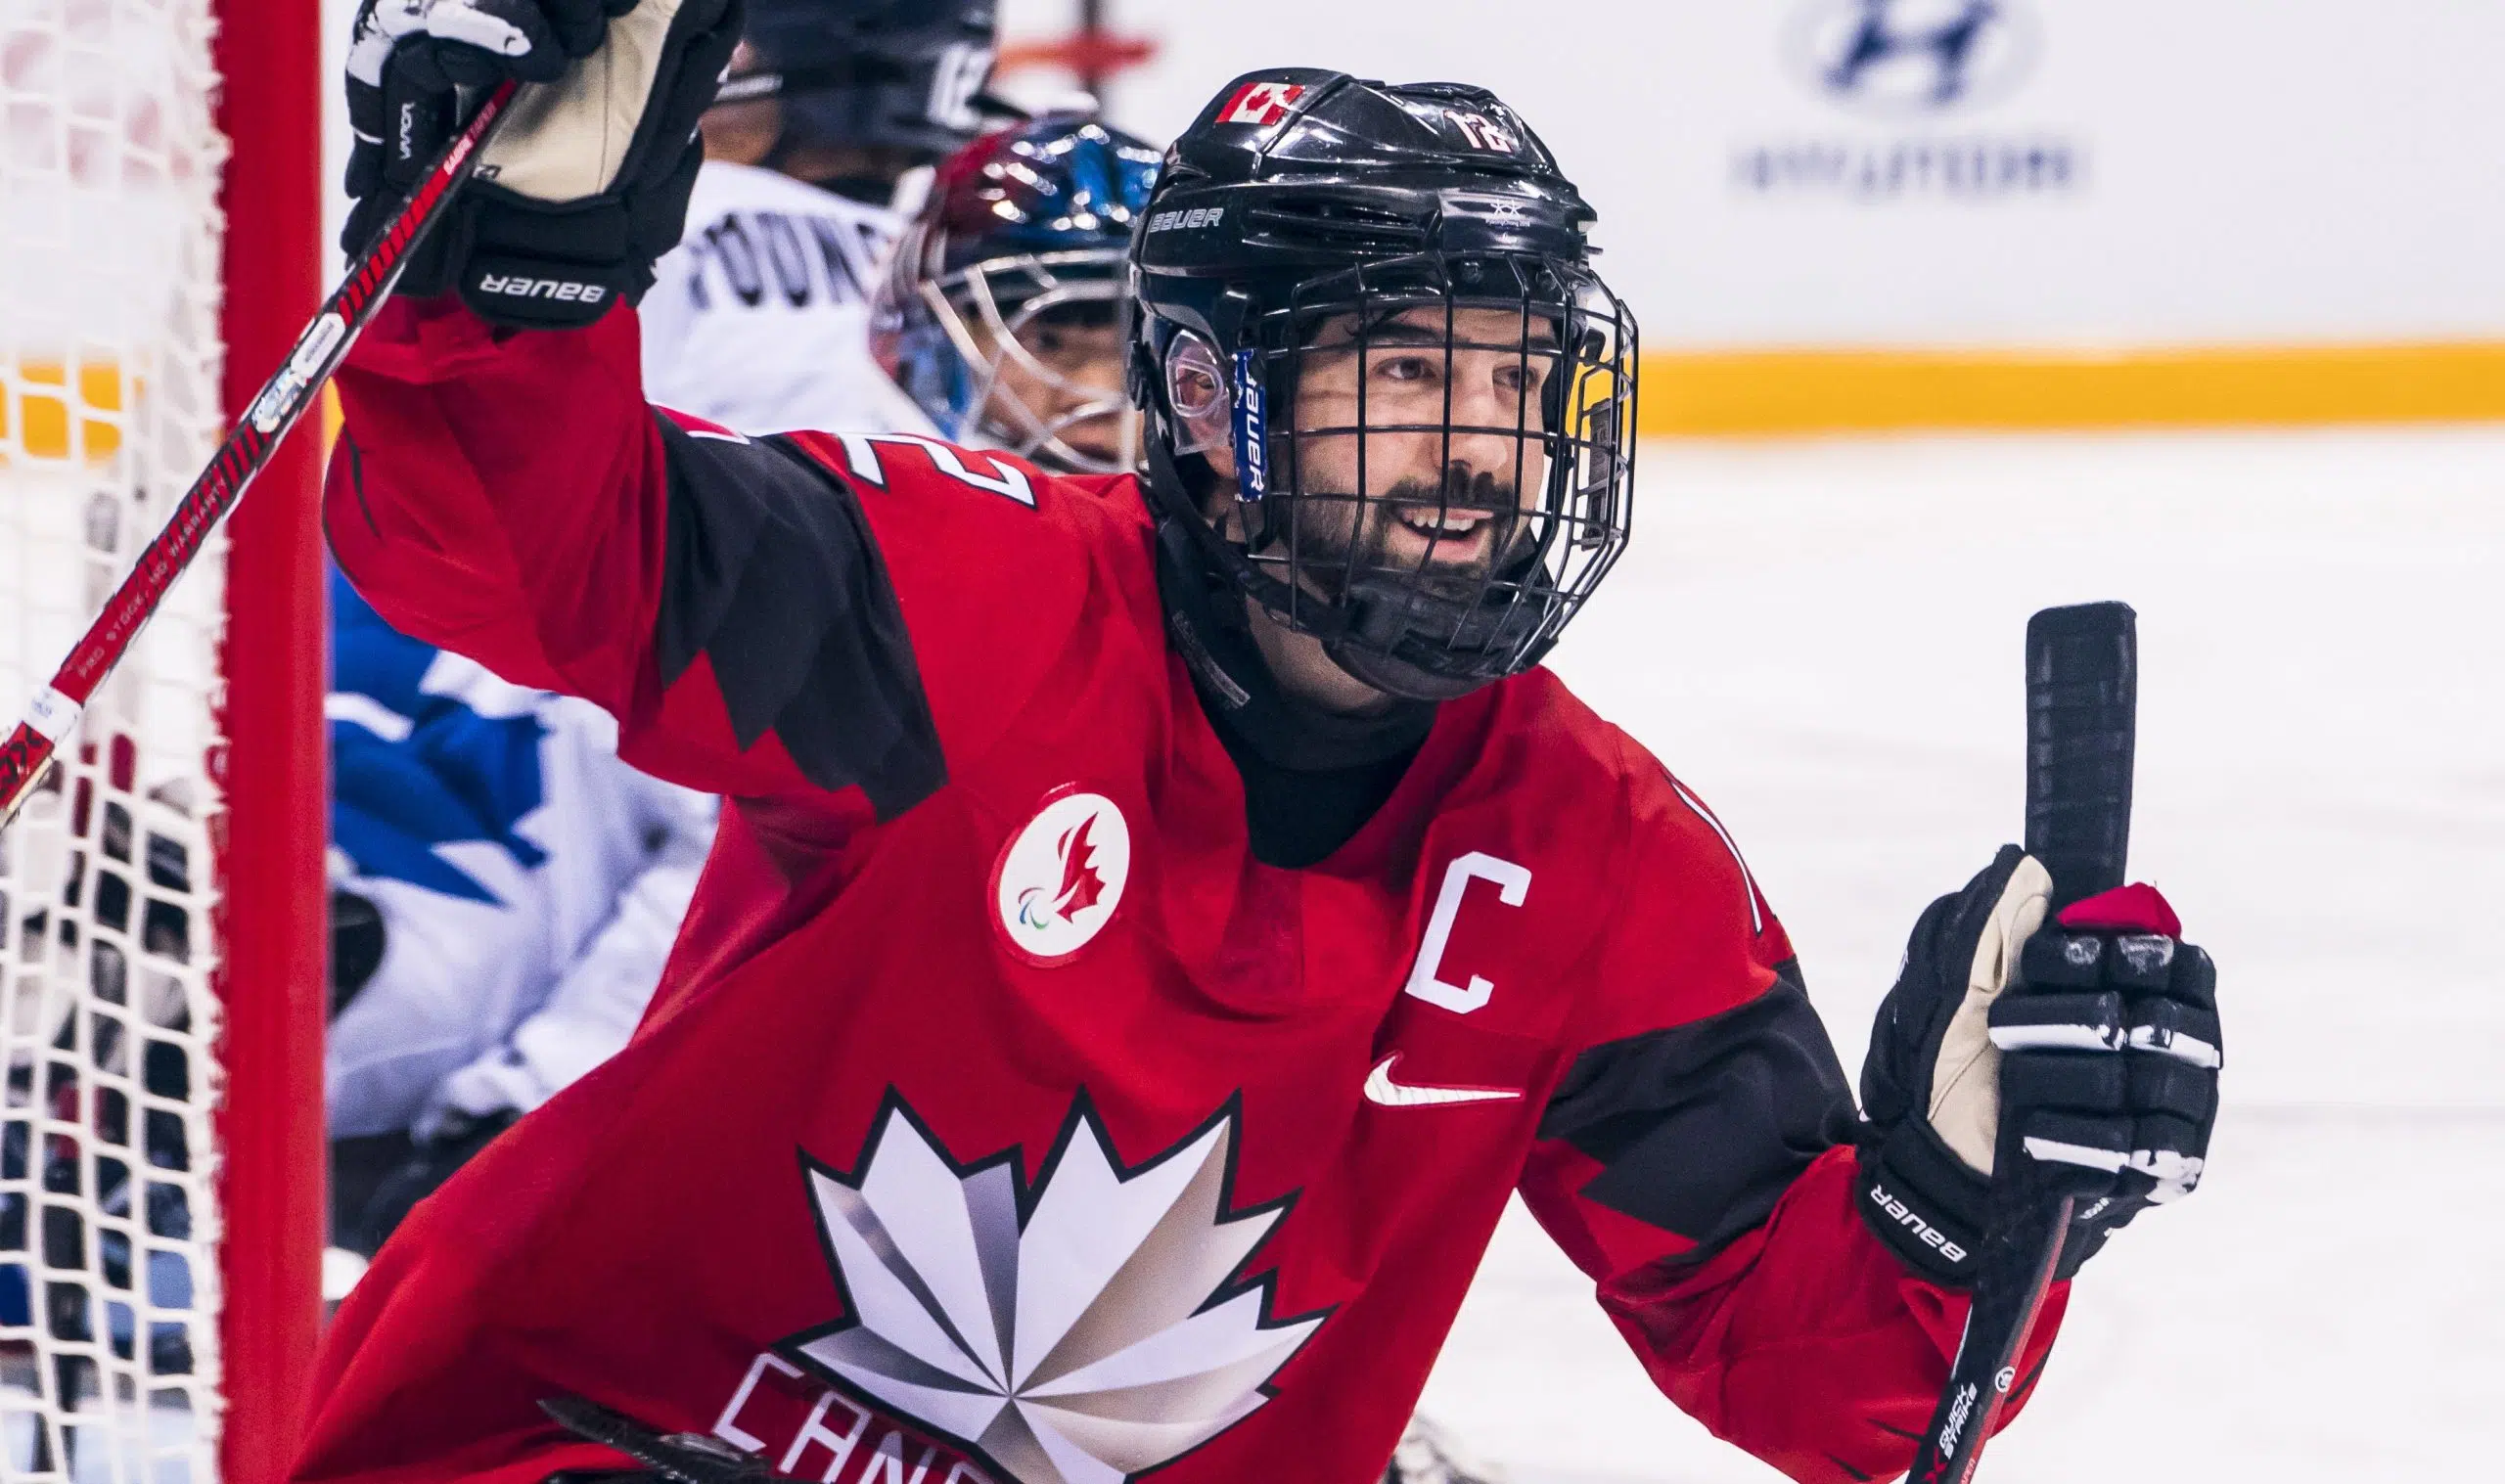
x: 1436, y: 454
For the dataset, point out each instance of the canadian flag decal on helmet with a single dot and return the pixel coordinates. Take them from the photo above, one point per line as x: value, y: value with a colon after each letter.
x: 1261, y: 103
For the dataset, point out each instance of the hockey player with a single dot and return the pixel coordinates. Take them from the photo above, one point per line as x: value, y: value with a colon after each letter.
x: 1160, y: 919
x: 999, y: 322
x: 758, y: 319
x: 999, y: 316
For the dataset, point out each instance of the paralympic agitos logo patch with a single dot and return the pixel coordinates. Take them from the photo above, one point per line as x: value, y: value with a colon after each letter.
x: 1061, y: 876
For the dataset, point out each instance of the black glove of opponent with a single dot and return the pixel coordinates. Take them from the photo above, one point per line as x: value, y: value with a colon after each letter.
x: 587, y: 179
x: 2091, y: 1044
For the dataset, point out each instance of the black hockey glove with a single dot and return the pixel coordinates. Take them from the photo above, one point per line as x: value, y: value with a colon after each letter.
x: 2091, y: 1043
x: 586, y: 180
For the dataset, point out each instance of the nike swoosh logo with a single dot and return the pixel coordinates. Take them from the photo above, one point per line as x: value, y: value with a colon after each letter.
x: 1380, y: 1088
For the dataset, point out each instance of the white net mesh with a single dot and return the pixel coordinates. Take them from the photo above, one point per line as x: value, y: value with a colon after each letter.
x: 108, y: 360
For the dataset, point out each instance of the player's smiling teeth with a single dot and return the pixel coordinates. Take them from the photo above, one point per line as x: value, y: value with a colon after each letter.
x: 1459, y: 523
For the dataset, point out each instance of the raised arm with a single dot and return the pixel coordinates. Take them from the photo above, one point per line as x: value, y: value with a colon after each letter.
x: 504, y: 495
x: 501, y: 489
x: 508, y: 495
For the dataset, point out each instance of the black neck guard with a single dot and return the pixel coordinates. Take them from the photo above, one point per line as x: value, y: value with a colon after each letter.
x: 1204, y: 617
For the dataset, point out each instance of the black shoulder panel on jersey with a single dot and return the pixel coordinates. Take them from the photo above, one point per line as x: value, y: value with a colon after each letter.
x: 1700, y: 1128
x: 771, y: 573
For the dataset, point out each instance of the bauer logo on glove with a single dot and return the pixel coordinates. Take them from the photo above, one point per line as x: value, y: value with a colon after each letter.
x: 582, y: 187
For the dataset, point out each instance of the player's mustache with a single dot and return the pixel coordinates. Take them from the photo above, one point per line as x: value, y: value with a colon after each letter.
x: 1461, y: 487
x: 1356, y: 530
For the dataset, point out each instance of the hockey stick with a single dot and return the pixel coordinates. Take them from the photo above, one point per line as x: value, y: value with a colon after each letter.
x: 281, y: 402
x: 680, y: 1458
x: 2083, y: 690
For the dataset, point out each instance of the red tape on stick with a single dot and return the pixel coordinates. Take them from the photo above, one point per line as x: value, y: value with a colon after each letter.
x: 282, y: 402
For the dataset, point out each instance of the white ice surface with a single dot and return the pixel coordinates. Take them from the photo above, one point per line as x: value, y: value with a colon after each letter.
x: 1822, y: 639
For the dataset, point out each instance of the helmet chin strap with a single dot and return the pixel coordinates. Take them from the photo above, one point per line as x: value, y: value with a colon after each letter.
x: 1387, y: 615
x: 1395, y: 677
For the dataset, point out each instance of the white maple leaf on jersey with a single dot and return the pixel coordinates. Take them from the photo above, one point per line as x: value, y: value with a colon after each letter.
x: 1073, y: 1349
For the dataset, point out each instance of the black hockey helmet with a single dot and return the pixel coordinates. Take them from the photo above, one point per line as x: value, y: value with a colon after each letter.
x: 1358, y: 242
x: 906, y: 74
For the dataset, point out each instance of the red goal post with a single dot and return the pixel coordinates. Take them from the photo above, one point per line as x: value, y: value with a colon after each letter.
x: 269, y: 56
x: 162, y: 904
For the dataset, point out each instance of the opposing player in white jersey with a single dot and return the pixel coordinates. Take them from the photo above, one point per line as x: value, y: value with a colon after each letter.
x: 504, y: 892
x: 758, y: 319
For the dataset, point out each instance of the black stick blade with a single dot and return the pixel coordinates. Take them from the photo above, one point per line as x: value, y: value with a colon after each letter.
x: 2082, y: 697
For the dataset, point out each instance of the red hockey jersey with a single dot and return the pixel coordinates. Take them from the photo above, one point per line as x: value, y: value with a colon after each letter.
x: 1001, y: 1117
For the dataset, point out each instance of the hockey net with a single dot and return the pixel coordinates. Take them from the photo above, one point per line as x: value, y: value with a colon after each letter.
x: 113, y: 959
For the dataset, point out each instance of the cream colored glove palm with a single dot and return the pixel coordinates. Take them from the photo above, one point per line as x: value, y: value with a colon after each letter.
x: 586, y: 180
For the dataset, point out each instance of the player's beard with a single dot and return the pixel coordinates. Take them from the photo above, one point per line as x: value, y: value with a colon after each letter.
x: 1336, y: 539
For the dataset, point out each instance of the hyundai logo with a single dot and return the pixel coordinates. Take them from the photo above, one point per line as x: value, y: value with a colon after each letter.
x: 1899, y: 59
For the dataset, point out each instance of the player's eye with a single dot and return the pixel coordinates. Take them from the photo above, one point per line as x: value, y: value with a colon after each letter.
x: 1195, y: 393
x: 1407, y: 370
x: 1521, y: 376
